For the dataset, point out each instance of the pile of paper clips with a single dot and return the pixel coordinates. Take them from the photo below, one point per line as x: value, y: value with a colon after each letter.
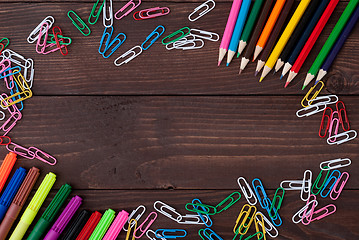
x: 331, y: 119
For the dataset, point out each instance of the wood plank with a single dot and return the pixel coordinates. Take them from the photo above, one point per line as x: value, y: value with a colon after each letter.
x: 341, y: 225
x: 156, y: 71
x: 178, y: 142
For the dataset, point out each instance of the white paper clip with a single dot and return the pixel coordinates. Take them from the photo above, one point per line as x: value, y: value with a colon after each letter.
x: 154, y: 235
x: 334, y: 164
x: 34, y: 35
x: 211, y: 36
x: 207, y: 9
x: 180, y: 42
x: 300, y: 213
x: 139, y: 215
x: 307, y: 185
x: 131, y: 51
x: 334, y: 139
x: 308, y: 110
x: 193, y: 219
x: 248, y: 194
x: 161, y: 207
x: 189, y: 45
x: 110, y: 11
x: 324, y: 100
x: 294, y: 185
x: 268, y: 229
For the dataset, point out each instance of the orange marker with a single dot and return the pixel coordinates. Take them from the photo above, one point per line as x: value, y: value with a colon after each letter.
x: 6, y: 167
x: 267, y: 30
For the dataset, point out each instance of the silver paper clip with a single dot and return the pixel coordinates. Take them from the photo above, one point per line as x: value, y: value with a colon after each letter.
x: 310, y: 110
x: 289, y: 185
x: 334, y: 139
x: 131, y: 51
x: 324, y: 100
x: 268, y: 229
x: 211, y: 36
x: 154, y: 235
x: 301, y: 211
x: 34, y: 35
x: 207, y: 9
x: 307, y: 185
x: 171, y: 214
x: 248, y: 194
x: 334, y: 164
x: 129, y: 3
x: 110, y: 11
x: 193, y: 219
x: 131, y: 216
x: 180, y: 42
x: 189, y: 45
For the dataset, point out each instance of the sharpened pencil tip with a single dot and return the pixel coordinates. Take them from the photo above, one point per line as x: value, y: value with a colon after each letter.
x: 316, y: 82
x: 281, y: 76
x: 256, y: 73
x: 261, y: 79
x: 274, y: 72
x: 227, y: 64
x: 303, y: 87
x: 286, y: 84
x: 240, y: 71
x: 219, y: 63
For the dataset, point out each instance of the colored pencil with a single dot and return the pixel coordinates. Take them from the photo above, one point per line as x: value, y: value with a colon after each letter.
x: 338, y: 45
x: 250, y: 25
x: 268, y: 27
x: 232, y: 18
x: 298, y: 32
x: 311, y: 40
x: 274, y: 36
x: 293, y: 22
x: 293, y: 56
x: 254, y: 38
x: 330, y: 42
x: 241, y: 20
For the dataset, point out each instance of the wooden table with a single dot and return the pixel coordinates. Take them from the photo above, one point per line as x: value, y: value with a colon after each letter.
x: 171, y: 125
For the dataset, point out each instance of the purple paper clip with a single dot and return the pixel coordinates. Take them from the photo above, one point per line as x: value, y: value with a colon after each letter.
x: 143, y: 231
x: 129, y: 3
x: 31, y: 153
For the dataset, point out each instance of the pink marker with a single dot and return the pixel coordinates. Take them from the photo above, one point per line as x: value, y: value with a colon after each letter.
x: 227, y: 35
x: 116, y: 226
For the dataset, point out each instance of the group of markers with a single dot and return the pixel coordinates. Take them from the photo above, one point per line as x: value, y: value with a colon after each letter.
x: 260, y: 35
x: 95, y: 226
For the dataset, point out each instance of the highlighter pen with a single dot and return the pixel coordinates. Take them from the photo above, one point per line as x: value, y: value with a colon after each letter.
x: 34, y: 206
x: 89, y: 226
x: 47, y: 218
x: 116, y: 226
x: 103, y: 225
x: 11, y: 190
x: 75, y: 228
x: 18, y: 202
x: 64, y: 219
x: 6, y: 167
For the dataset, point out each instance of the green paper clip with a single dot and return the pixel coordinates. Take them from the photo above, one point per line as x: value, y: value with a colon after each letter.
x: 79, y: 20
x: 5, y: 45
x: 317, y: 180
x: 94, y: 10
x: 180, y: 31
x: 63, y: 42
x: 272, y: 207
x: 196, y: 206
x: 232, y: 201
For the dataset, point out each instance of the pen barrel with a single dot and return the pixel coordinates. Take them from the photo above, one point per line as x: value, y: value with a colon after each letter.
x: 9, y: 220
x: 40, y: 228
x: 3, y: 210
x: 52, y: 235
x: 19, y: 231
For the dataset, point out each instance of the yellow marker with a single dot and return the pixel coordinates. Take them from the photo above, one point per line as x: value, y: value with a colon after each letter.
x: 23, y: 93
x: 34, y: 207
x: 293, y: 22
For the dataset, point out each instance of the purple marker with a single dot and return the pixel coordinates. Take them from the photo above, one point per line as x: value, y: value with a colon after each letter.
x: 64, y: 219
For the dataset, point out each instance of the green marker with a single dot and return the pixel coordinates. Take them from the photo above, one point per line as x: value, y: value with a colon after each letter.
x: 249, y: 25
x: 103, y: 225
x: 328, y: 45
x: 47, y: 218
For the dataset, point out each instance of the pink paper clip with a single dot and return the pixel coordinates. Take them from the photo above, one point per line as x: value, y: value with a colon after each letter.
x: 331, y: 131
x: 5, y: 64
x: 151, y: 13
x: 31, y: 153
x: 15, y: 116
x: 343, y: 118
x: 143, y: 231
x: 309, y: 206
x: 46, y: 26
x: 21, y: 151
x: 338, y: 192
x: 326, y: 211
x: 325, y: 123
x: 52, y: 49
x: 129, y: 3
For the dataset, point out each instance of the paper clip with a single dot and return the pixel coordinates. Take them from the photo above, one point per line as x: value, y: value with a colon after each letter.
x: 248, y: 193
x: 171, y: 233
x: 334, y: 139
x: 326, y: 211
x: 64, y: 40
x: 129, y: 3
x: 15, y: 116
x: 78, y: 21
x: 172, y: 214
x: 189, y: 45
x: 324, y: 100
x: 206, y: 209
x: 211, y: 36
x: 325, y: 123
x: 320, y: 84
x: 154, y: 235
x: 151, y: 13
x: 245, y: 219
x: 183, y: 32
x: 11, y: 71
x: 270, y: 228
x: 211, y: 234
x: 105, y: 18
x: 289, y: 185
x: 4, y: 45
x: 310, y: 110
x: 15, y: 90
x: 31, y: 153
x: 260, y: 186
x: 331, y: 185
x: 334, y: 123
x: 258, y: 226
x: 343, y: 118
x: 206, y: 9
x: 113, y: 43
x: 154, y: 33
x: 194, y: 219
x: 277, y: 217
x: 34, y: 35
x: 307, y: 185
x: 341, y: 187
x: 180, y: 42
x: 131, y: 216
x: 24, y: 94
x: 43, y: 45
x: 317, y: 180
x: 300, y: 213
x: 336, y: 163
x: 106, y: 35
x: 97, y: 15
x: 310, y: 205
x: 150, y: 221
x: 132, y: 224
x: 232, y: 200
x: 56, y: 34
x: 131, y: 51
x: 274, y: 208
x: 202, y: 217
x: 7, y: 141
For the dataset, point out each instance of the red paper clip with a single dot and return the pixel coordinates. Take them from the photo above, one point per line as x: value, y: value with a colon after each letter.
x: 324, y: 126
x: 343, y: 118
x: 56, y: 33
x: 151, y: 13
x: 5, y: 140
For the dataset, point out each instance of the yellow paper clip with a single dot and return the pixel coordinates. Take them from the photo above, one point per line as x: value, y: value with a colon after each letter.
x: 259, y: 223
x: 247, y: 216
x: 24, y: 91
x: 130, y: 226
x: 306, y: 98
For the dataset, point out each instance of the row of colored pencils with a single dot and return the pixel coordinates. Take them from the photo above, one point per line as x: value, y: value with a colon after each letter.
x: 267, y: 32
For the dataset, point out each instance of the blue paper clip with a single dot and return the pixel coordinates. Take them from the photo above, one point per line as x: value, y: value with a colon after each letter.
x: 107, y: 42
x: 155, y: 32
x: 11, y: 72
x: 277, y: 217
x: 116, y: 39
x: 174, y: 233
x: 12, y: 92
x: 207, y: 223
x: 211, y: 234
x: 330, y: 178
x: 260, y: 186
